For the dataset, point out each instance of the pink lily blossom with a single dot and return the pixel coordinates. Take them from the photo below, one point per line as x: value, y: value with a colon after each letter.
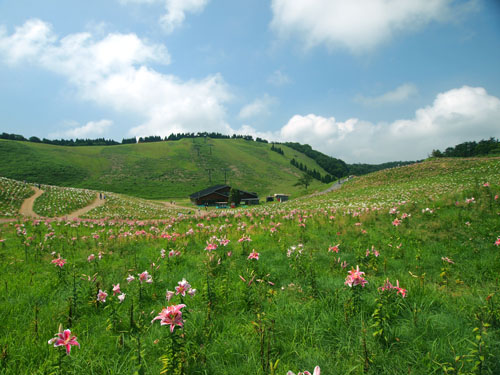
x: 388, y: 286
x: 497, y: 242
x: 245, y: 239
x: 182, y: 288
x: 65, y: 339
x: 169, y: 295
x: 316, y: 371
x: 355, y: 277
x: 211, y: 246
x: 90, y: 258
x: 254, y: 255
x: 130, y: 278
x: 59, y: 261
x: 172, y: 315
x: 101, y: 296
x: 116, y: 289
x: 121, y: 297
x: 145, y: 276
x: 334, y: 248
x: 446, y: 259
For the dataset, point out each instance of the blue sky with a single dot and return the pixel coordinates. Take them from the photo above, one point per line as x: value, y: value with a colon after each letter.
x: 362, y: 80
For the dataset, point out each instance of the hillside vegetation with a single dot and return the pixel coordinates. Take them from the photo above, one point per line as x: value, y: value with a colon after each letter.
x: 395, y: 273
x: 159, y: 170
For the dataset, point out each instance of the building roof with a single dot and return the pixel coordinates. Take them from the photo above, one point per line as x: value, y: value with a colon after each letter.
x: 208, y: 191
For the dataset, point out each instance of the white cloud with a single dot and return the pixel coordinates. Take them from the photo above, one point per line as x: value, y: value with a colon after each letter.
x: 458, y: 115
x: 112, y: 73
x: 91, y: 129
x: 176, y: 12
x: 27, y: 41
x: 259, y: 107
x: 399, y: 94
x: 278, y: 78
x: 357, y: 25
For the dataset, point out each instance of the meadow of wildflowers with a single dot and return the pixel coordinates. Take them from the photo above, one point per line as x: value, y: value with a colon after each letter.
x: 328, y: 283
x: 59, y: 201
x: 12, y: 195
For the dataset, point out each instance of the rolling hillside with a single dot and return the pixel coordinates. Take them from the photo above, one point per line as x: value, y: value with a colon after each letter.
x: 158, y: 170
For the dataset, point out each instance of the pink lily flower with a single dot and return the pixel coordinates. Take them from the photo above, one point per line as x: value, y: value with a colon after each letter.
x: 355, y: 277
x: 254, y: 255
x: 116, y: 289
x: 334, y: 248
x: 145, y: 276
x: 101, y: 296
x: 316, y: 371
x: 64, y: 339
x: 169, y: 295
x: 59, y: 261
x: 211, y: 246
x: 182, y: 288
x: 121, y: 297
x: 172, y: 315
x: 130, y: 278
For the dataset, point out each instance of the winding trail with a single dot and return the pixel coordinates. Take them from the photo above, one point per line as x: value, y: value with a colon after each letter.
x: 82, y: 211
x: 27, y: 206
x: 26, y: 209
x: 336, y: 186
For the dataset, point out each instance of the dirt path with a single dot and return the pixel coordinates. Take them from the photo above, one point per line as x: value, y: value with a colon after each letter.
x: 27, y: 206
x: 82, y: 211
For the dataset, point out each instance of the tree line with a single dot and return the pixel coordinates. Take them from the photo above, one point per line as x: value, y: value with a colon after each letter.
x: 335, y: 167
x: 467, y: 149
x: 61, y: 142
x: 110, y: 142
x: 312, y: 172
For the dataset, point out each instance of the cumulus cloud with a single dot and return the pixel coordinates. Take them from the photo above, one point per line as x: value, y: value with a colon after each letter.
x: 91, y: 129
x: 259, y: 107
x: 278, y: 78
x: 27, y: 41
x: 175, y: 10
x: 113, y: 73
x: 399, y: 94
x: 456, y: 116
x: 356, y: 25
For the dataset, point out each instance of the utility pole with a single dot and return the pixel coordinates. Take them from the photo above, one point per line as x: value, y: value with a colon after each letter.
x: 209, y: 174
x: 225, y: 170
x: 197, y: 148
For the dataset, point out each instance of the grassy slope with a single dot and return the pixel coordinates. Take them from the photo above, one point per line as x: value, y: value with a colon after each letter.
x: 311, y: 317
x: 157, y: 170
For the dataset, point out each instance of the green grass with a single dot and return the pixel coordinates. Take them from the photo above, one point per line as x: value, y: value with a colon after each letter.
x: 293, y: 306
x: 161, y: 170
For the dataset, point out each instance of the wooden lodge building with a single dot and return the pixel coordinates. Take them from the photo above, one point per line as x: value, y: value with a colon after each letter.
x: 218, y: 194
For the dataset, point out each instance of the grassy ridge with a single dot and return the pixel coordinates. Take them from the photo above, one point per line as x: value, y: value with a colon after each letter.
x: 157, y: 170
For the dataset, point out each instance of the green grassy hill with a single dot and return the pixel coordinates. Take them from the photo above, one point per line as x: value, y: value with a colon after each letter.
x: 158, y: 170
